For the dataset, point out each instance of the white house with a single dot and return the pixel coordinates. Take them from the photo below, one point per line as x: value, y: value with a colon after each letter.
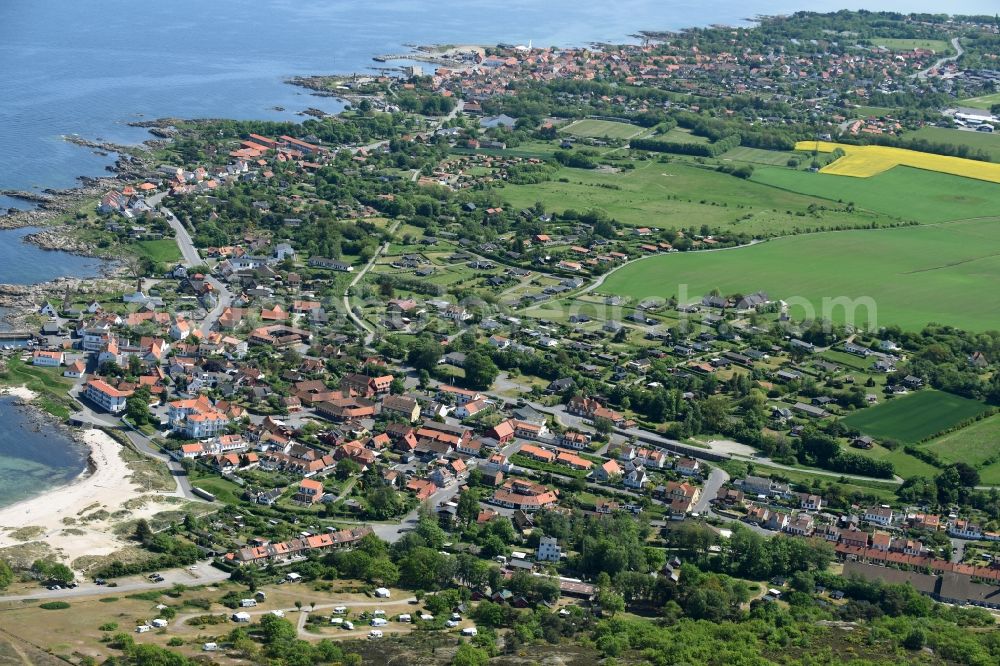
x: 548, y: 550
x: 48, y: 359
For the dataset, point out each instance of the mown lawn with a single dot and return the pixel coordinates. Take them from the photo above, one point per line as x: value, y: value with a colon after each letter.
x: 984, y: 102
x: 939, y: 46
x: 914, y: 417
x: 907, y: 276
x: 602, y: 129
x: 162, y: 251
x: 901, y: 192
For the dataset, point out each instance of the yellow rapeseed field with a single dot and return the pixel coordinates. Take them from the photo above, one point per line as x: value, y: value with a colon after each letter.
x: 866, y: 161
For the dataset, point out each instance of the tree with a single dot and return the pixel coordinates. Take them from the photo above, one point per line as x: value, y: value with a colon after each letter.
x: 610, y: 601
x: 137, y: 406
x: 6, y: 575
x: 469, y: 655
x: 424, y: 354
x: 468, y: 508
x: 346, y: 468
x: 480, y: 371
x: 143, y: 532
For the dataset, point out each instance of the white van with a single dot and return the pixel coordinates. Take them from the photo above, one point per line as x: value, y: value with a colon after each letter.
x: 340, y: 610
x: 142, y: 628
x: 336, y: 621
x: 405, y: 617
x: 375, y: 633
x: 348, y: 625
x: 378, y: 622
x: 470, y: 631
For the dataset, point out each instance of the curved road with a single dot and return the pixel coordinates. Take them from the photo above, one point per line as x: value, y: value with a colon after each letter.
x: 925, y: 73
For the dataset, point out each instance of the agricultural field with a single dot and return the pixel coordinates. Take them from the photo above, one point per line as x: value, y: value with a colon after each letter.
x: 984, y: 102
x: 990, y: 142
x: 977, y: 444
x: 867, y: 161
x: 939, y: 46
x: 939, y: 197
x: 915, y: 417
x: 906, y: 276
x: 602, y: 129
x: 678, y: 194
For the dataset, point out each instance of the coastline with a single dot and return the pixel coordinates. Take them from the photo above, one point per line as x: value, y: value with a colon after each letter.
x: 78, y: 519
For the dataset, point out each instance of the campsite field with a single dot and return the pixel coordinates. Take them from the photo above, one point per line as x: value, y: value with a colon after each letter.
x: 908, y: 276
x: 902, y: 192
x: 602, y: 129
x: 867, y: 161
x: 914, y: 417
x: 677, y: 194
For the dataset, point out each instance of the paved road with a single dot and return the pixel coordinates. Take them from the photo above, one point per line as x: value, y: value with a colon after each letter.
x: 204, y: 574
x: 923, y: 74
x: 367, y: 330
x: 191, y: 257
x: 716, y: 479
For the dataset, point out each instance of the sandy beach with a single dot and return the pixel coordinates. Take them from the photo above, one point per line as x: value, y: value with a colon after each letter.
x: 78, y: 519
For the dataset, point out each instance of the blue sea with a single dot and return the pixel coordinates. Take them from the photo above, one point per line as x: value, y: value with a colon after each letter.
x: 90, y: 68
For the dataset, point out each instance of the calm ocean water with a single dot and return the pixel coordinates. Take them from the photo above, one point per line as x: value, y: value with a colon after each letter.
x: 70, y: 67
x: 33, y: 458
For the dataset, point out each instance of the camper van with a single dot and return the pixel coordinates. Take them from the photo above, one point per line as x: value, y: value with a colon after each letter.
x: 159, y: 623
x: 348, y: 625
x: 378, y: 622
x: 339, y: 610
x: 375, y: 633
x: 210, y: 647
x: 405, y: 617
x: 378, y: 613
x: 248, y: 603
x: 336, y: 621
x: 142, y: 628
x: 470, y: 631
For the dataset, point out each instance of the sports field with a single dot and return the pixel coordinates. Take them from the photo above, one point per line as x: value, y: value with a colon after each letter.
x: 907, y: 276
x: 759, y: 156
x: 937, y: 45
x: 914, y: 417
x: 977, y: 444
x: 602, y: 129
x: 905, y: 193
x: 867, y: 161
x: 677, y: 194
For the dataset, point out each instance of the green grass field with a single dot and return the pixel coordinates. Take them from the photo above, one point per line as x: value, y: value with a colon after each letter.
x: 990, y: 142
x: 908, y: 276
x: 758, y: 156
x: 909, y: 194
x: 977, y: 445
x: 681, y: 135
x: 936, y: 45
x: 984, y: 102
x: 163, y: 251
x: 678, y: 194
x: 602, y: 129
x: 914, y: 417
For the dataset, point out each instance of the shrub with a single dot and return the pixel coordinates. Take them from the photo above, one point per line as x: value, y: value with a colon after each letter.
x: 54, y: 605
